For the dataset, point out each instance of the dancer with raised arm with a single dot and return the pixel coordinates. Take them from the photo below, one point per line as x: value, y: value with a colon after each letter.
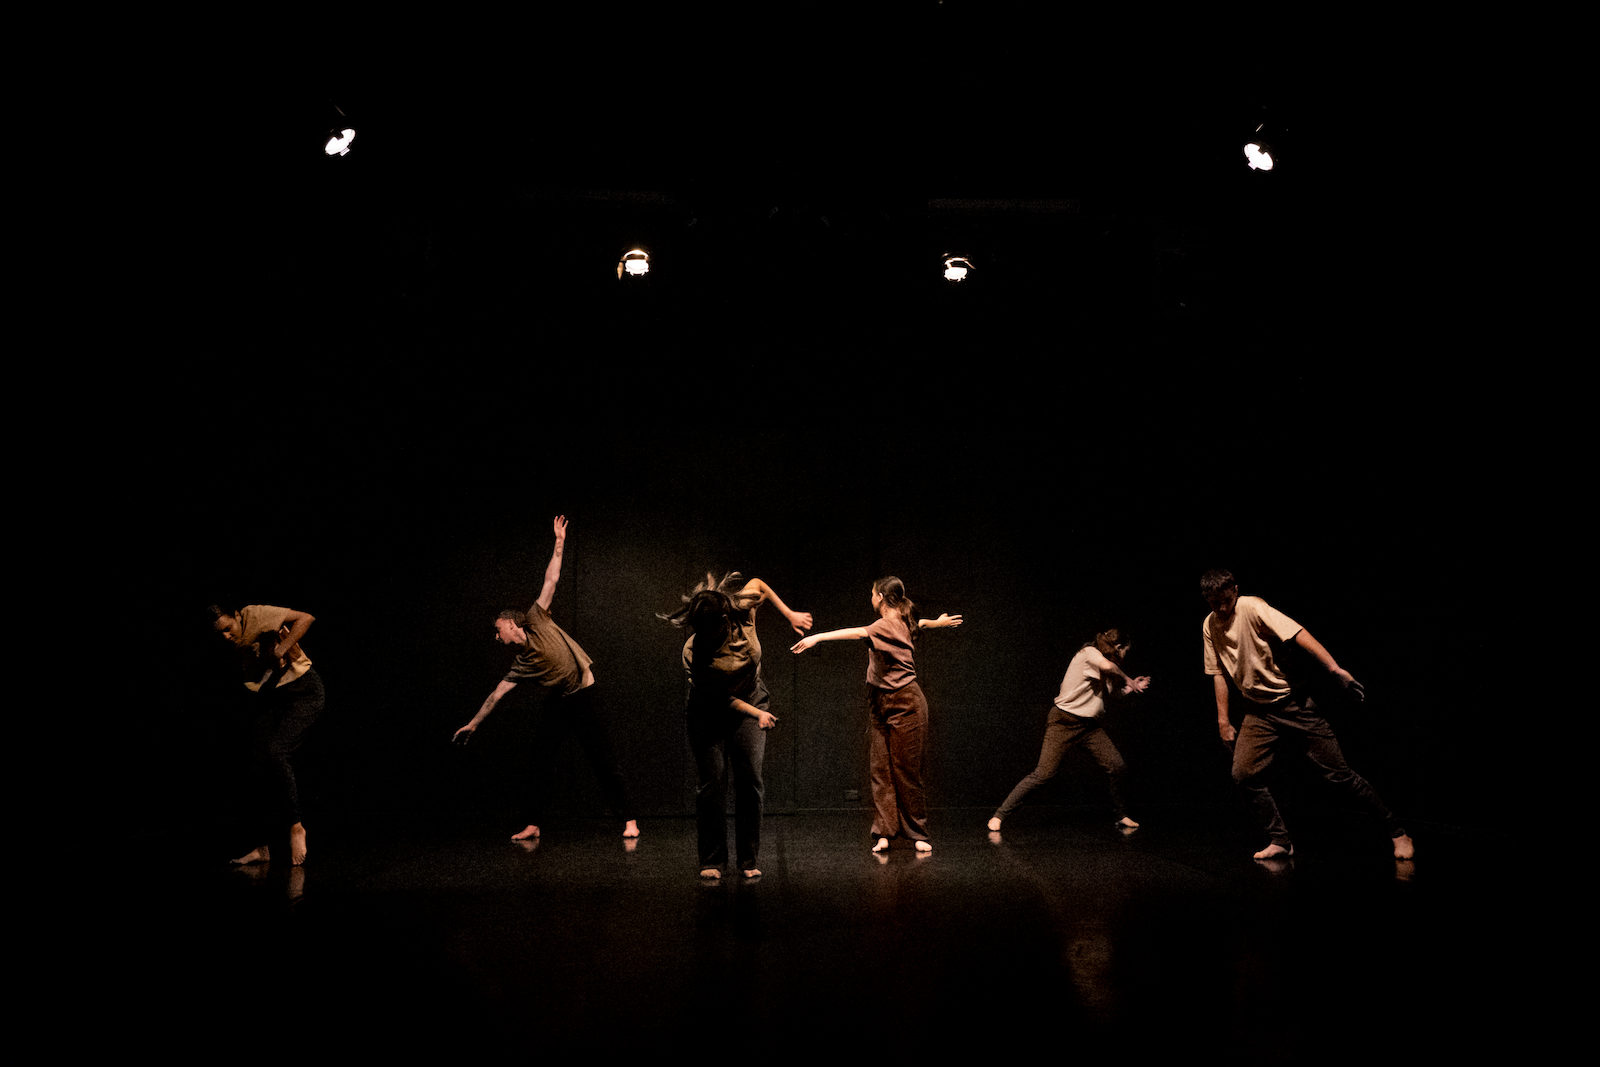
x: 289, y: 700
x: 554, y: 662
x: 1077, y: 718
x: 1238, y: 639
x: 897, y: 712
x: 728, y: 713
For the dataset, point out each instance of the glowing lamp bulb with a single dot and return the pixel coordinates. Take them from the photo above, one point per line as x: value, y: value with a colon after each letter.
x: 1257, y: 157
x: 636, y: 262
x: 954, y: 272
x: 339, y: 142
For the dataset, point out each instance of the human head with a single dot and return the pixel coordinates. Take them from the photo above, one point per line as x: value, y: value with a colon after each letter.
x: 1221, y: 592
x: 225, y: 623
x: 507, y: 624
x: 1113, y: 644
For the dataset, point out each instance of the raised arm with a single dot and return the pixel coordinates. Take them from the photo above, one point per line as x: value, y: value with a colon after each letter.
x: 463, y: 735
x: 939, y: 623
x: 800, y: 620
x: 552, y: 573
x: 853, y: 633
x: 1313, y: 646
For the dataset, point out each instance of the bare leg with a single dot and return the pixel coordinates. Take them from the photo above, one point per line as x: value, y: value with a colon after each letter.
x: 631, y: 829
x: 1403, y: 848
x: 260, y: 855
x: 297, y: 844
x: 529, y: 831
x: 1274, y: 850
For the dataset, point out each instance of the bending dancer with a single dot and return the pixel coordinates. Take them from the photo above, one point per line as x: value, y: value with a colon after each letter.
x: 553, y: 661
x: 1075, y: 719
x: 897, y: 710
x: 728, y: 713
x: 1238, y: 638
x: 289, y: 700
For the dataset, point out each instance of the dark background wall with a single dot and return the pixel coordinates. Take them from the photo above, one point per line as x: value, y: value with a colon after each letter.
x: 409, y: 359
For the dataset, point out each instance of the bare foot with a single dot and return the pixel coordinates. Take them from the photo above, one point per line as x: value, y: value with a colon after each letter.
x: 1274, y: 850
x: 711, y: 872
x: 994, y: 823
x: 297, y: 844
x: 630, y: 830
x: 923, y: 846
x: 751, y: 873
x: 527, y: 831
x: 882, y: 845
x: 1403, y: 848
x: 1129, y: 823
x: 260, y: 855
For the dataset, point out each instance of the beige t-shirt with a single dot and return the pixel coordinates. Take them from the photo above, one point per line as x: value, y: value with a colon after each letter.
x: 1241, y: 650
x: 256, y: 620
x: 549, y: 657
x: 1083, y: 687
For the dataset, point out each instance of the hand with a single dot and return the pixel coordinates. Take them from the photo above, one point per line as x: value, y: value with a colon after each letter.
x: 560, y: 525
x: 801, y: 621
x: 766, y: 719
x: 947, y: 620
x: 1227, y: 731
x: 803, y: 644
x: 463, y: 735
x: 280, y: 651
x: 1139, y: 684
x: 1351, y: 686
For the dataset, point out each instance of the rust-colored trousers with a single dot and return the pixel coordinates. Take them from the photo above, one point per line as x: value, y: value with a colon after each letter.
x: 898, y: 729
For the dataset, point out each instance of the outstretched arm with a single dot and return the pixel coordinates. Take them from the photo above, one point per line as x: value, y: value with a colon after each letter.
x: 939, y: 623
x: 552, y: 573
x: 1313, y: 646
x: 853, y: 633
x: 464, y: 734
x: 800, y: 620
x: 1106, y: 666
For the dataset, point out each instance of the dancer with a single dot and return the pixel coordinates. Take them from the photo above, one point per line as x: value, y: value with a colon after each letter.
x: 897, y: 711
x: 553, y: 661
x: 728, y: 712
x: 1238, y: 638
x: 289, y: 699
x: 1075, y: 719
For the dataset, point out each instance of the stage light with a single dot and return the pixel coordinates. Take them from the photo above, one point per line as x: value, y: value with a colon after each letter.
x: 338, y: 143
x: 956, y: 267
x: 1258, y: 154
x: 634, y: 262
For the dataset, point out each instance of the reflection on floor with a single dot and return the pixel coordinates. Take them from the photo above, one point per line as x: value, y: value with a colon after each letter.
x: 1167, y: 938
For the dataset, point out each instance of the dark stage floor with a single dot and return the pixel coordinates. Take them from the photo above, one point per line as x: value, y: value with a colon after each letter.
x: 1170, y: 938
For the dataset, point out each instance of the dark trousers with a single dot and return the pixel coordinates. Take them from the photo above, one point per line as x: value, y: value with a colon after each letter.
x: 577, y: 714
x: 1062, y: 732
x: 725, y: 742
x: 1295, y: 720
x: 285, y: 713
x: 897, y: 732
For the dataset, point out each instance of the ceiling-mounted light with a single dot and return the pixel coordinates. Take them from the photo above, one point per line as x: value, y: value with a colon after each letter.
x: 956, y: 267
x: 634, y: 262
x: 1258, y: 154
x: 338, y: 143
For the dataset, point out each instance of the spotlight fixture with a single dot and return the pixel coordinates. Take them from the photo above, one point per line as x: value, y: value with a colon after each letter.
x: 1258, y: 154
x: 634, y: 262
x: 956, y: 267
x: 336, y: 142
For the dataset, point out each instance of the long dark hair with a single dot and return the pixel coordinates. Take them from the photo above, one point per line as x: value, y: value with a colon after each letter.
x: 709, y: 611
x: 1107, y: 641
x: 893, y: 591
